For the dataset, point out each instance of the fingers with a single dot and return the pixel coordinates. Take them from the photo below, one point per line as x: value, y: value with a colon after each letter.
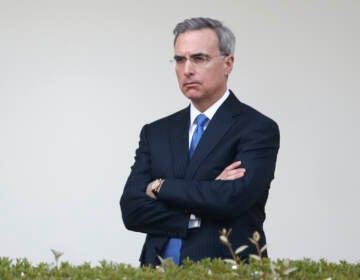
x: 236, y: 172
x: 232, y: 172
x: 234, y: 165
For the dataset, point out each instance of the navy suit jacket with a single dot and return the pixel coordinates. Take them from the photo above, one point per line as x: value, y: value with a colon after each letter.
x: 236, y: 132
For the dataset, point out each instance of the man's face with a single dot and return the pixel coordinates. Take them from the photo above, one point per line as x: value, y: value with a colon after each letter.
x: 201, y: 70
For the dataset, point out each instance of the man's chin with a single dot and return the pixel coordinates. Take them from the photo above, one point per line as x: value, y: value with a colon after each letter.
x: 192, y: 94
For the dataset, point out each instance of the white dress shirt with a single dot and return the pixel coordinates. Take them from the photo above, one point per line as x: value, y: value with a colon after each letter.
x: 194, y: 221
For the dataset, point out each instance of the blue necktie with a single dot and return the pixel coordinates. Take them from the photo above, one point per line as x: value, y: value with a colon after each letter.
x: 172, y: 249
x: 200, y: 121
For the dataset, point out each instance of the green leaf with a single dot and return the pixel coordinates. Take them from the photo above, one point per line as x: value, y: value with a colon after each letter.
x: 255, y: 257
x: 256, y: 236
x: 224, y: 239
x: 252, y: 241
x: 263, y: 248
x: 241, y: 249
x: 230, y: 261
x: 289, y: 270
x: 57, y: 254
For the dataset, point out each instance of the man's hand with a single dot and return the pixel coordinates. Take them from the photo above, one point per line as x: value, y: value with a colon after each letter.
x: 232, y: 172
x: 149, y: 191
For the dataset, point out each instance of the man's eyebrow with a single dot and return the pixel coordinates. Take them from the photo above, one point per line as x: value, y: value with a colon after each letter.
x: 193, y: 54
x: 197, y: 54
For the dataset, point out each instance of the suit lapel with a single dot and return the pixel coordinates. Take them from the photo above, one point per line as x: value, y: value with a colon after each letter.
x: 218, y: 126
x: 179, y: 142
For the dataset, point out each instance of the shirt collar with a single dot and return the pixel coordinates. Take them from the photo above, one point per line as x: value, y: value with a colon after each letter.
x: 210, y: 112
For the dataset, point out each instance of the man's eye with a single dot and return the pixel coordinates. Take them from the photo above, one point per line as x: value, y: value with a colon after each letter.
x: 179, y: 59
x: 198, y: 59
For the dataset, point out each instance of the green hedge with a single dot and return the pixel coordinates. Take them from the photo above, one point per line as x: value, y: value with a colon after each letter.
x: 205, y: 269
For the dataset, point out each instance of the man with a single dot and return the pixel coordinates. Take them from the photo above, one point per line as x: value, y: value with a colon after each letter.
x: 206, y: 167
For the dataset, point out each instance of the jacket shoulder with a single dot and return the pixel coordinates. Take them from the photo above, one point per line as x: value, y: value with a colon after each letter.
x: 253, y: 115
x: 181, y: 115
x: 245, y: 112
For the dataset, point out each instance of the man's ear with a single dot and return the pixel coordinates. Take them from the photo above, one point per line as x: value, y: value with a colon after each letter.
x: 228, y: 64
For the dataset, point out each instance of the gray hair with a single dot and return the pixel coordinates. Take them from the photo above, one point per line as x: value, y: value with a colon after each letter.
x: 224, y: 34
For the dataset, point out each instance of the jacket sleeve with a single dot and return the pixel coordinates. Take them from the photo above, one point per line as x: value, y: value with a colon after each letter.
x: 227, y: 199
x: 142, y: 213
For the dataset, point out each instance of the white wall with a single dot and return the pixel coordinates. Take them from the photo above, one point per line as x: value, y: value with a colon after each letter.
x: 78, y: 79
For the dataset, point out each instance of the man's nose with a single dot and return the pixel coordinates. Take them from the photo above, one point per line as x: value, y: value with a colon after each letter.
x: 188, y: 68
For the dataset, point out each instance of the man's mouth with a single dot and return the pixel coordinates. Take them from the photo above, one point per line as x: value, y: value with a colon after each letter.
x: 190, y: 84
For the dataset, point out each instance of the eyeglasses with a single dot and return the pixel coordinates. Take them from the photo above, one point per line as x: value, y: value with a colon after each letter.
x: 198, y: 59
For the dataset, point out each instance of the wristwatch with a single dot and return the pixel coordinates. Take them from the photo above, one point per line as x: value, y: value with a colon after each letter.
x: 156, y: 186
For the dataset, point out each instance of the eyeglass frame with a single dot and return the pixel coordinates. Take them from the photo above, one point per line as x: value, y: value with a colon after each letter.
x: 196, y: 59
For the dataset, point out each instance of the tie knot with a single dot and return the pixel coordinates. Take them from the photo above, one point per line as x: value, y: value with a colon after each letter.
x: 201, y: 120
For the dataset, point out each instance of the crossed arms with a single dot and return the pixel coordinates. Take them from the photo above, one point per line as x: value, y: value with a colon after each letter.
x: 226, y: 196
x: 231, y: 172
